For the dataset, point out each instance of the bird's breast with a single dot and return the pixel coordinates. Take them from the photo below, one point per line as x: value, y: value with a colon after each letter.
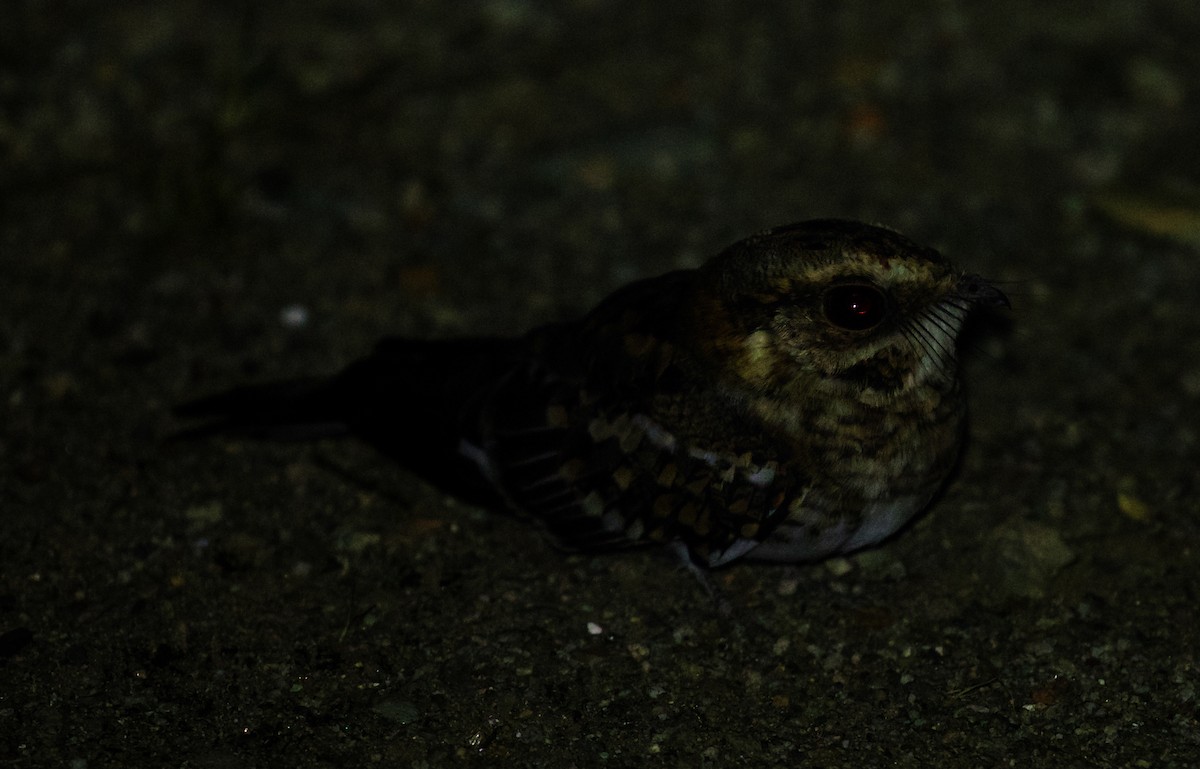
x: 872, y: 468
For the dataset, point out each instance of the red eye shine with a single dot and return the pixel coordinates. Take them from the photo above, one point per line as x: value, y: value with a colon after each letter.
x: 855, y: 307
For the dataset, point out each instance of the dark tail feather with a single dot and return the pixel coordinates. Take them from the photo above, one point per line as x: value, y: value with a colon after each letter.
x: 294, y: 410
x: 414, y: 400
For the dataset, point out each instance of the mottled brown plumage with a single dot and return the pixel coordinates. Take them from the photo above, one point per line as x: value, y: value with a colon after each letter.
x: 796, y: 396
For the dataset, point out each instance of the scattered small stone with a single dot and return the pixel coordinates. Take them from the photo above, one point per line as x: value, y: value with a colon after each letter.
x: 1023, y: 557
x: 400, y: 711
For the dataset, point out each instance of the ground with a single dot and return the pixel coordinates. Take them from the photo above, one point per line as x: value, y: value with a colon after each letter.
x: 197, y: 195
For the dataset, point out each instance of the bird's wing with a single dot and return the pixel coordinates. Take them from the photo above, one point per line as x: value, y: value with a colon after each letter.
x: 593, y: 434
x: 603, y: 475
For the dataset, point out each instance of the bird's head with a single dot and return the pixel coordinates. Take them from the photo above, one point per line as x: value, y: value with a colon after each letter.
x: 836, y: 304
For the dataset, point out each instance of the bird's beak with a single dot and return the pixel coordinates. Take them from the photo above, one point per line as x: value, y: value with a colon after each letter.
x: 979, y: 291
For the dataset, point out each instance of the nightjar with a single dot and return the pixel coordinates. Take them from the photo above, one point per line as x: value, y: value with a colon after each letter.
x: 795, y: 397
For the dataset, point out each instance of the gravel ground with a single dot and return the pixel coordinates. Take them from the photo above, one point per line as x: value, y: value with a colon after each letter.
x: 195, y: 195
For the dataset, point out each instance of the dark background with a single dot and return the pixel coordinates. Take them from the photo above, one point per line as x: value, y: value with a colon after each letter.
x: 200, y: 194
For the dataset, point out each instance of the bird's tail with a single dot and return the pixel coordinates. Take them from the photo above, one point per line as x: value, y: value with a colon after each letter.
x: 290, y: 410
x: 414, y: 400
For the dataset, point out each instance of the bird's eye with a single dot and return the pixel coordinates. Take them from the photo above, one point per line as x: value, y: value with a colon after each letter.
x: 855, y: 306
